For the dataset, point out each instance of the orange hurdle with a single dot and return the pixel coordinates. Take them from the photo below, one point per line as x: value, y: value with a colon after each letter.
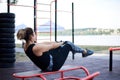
x: 111, y: 56
x: 37, y: 73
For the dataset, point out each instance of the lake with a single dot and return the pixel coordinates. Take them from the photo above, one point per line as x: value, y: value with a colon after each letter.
x: 100, y: 40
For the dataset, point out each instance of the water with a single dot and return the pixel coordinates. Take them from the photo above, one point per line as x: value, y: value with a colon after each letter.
x: 94, y: 40
x: 101, y: 40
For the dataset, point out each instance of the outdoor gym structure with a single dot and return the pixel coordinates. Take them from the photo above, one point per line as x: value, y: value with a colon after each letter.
x: 35, y: 6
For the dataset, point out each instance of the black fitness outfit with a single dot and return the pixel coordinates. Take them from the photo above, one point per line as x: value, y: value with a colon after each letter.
x: 59, y: 56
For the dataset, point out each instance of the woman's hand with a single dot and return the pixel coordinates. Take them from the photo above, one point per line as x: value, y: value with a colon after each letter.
x: 57, y: 44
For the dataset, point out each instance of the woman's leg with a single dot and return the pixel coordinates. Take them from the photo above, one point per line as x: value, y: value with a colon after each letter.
x: 76, y: 49
x: 59, y: 56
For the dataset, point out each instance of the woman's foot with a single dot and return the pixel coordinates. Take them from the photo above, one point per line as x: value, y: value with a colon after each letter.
x: 87, y: 53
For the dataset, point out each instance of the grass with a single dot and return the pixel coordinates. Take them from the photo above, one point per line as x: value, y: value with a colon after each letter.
x: 96, y: 48
x: 21, y: 57
x: 100, y: 49
x: 19, y: 45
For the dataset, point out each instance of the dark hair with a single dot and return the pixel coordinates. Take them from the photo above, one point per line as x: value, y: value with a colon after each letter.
x: 25, y: 34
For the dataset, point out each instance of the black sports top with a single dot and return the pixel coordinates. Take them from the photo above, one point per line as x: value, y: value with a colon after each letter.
x: 41, y: 61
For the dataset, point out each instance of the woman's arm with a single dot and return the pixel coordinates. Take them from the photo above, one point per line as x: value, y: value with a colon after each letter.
x: 56, y: 45
x: 48, y: 42
x: 38, y: 49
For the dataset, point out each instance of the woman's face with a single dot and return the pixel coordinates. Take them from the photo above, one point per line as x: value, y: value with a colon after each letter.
x: 34, y: 37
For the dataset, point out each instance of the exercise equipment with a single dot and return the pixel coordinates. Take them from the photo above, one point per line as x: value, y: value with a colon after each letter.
x: 41, y: 75
x: 111, y: 56
x: 7, y: 41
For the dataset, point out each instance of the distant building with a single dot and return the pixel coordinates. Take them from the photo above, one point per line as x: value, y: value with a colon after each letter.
x: 46, y: 27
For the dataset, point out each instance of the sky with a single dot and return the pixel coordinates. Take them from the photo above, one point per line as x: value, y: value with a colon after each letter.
x: 87, y: 13
x: 97, y: 13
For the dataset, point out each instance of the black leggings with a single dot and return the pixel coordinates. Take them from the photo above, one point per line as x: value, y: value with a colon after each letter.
x: 59, y: 55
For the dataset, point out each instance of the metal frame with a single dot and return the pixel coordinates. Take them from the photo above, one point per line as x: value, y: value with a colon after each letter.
x: 35, y: 16
x: 111, y: 56
x: 31, y: 74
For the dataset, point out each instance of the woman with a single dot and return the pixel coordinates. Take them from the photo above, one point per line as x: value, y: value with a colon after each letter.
x: 48, y: 56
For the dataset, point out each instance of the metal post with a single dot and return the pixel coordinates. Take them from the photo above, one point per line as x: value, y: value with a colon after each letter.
x: 55, y: 20
x: 73, y: 27
x: 8, y: 6
x: 51, y: 19
x: 35, y: 29
x: 110, y: 60
x: 73, y: 22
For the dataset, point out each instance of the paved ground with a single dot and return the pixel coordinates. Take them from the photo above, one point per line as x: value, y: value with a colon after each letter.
x: 97, y: 62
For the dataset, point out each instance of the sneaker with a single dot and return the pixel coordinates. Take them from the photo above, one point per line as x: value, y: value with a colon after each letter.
x: 87, y: 53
